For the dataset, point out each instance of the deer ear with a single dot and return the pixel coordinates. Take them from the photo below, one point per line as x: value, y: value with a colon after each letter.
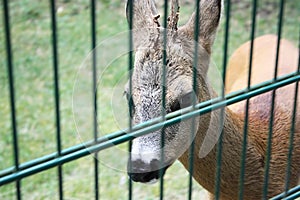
x: 144, y: 13
x: 209, y: 17
x: 144, y: 19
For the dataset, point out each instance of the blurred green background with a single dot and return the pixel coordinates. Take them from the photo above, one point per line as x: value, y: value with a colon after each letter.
x: 33, y: 73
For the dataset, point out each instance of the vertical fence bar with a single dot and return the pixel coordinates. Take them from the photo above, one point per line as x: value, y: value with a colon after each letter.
x: 94, y: 94
x: 246, y: 121
x: 269, y: 144
x: 292, y: 133
x: 12, y: 93
x: 195, y: 90
x: 130, y: 101
x: 56, y: 94
x: 219, y: 145
x: 164, y: 89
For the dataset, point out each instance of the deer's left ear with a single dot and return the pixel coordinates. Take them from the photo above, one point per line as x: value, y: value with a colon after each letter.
x: 209, y: 17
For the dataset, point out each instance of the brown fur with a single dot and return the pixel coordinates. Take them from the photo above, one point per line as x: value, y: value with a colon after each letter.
x: 180, y: 53
x: 259, y: 116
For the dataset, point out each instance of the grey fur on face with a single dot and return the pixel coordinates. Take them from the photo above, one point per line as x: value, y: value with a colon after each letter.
x: 147, y: 81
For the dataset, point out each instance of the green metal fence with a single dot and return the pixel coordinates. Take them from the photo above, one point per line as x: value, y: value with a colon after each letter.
x: 21, y: 171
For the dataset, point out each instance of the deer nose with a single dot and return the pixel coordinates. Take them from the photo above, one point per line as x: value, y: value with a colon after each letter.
x: 140, y: 171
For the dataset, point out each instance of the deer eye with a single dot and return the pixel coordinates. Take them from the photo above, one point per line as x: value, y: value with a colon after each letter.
x: 187, y: 100
x: 183, y: 102
x: 175, y: 106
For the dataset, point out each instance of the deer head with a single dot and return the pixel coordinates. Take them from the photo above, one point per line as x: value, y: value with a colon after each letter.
x: 147, y: 81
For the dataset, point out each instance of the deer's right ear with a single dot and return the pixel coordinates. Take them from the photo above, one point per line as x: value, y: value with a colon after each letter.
x: 209, y: 17
x: 144, y: 13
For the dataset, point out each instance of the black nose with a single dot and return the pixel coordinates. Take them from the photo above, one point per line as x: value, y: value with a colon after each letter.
x: 139, y: 171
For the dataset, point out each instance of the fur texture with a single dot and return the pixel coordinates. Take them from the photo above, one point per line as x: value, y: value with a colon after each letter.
x: 146, y: 95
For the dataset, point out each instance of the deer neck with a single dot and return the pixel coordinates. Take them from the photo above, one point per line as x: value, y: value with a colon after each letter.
x: 204, y: 169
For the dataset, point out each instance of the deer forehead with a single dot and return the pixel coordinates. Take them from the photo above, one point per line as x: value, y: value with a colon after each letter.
x: 148, y: 69
x: 148, y: 85
x: 180, y: 57
x: 148, y: 77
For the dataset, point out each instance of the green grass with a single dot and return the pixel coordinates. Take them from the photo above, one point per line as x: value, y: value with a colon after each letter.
x: 33, y: 73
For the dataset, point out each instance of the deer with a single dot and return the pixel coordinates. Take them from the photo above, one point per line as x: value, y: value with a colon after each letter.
x: 147, y: 163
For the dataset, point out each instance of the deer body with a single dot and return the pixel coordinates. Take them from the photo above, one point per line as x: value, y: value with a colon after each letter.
x: 146, y: 98
x: 258, y: 128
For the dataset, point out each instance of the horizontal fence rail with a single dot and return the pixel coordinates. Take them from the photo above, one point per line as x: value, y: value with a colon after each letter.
x: 291, y: 194
x: 75, y: 152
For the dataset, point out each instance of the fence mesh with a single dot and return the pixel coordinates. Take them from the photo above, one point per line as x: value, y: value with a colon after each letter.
x: 22, y: 170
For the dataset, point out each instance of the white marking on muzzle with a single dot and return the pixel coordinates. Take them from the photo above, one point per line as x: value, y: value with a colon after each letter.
x: 143, y: 153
